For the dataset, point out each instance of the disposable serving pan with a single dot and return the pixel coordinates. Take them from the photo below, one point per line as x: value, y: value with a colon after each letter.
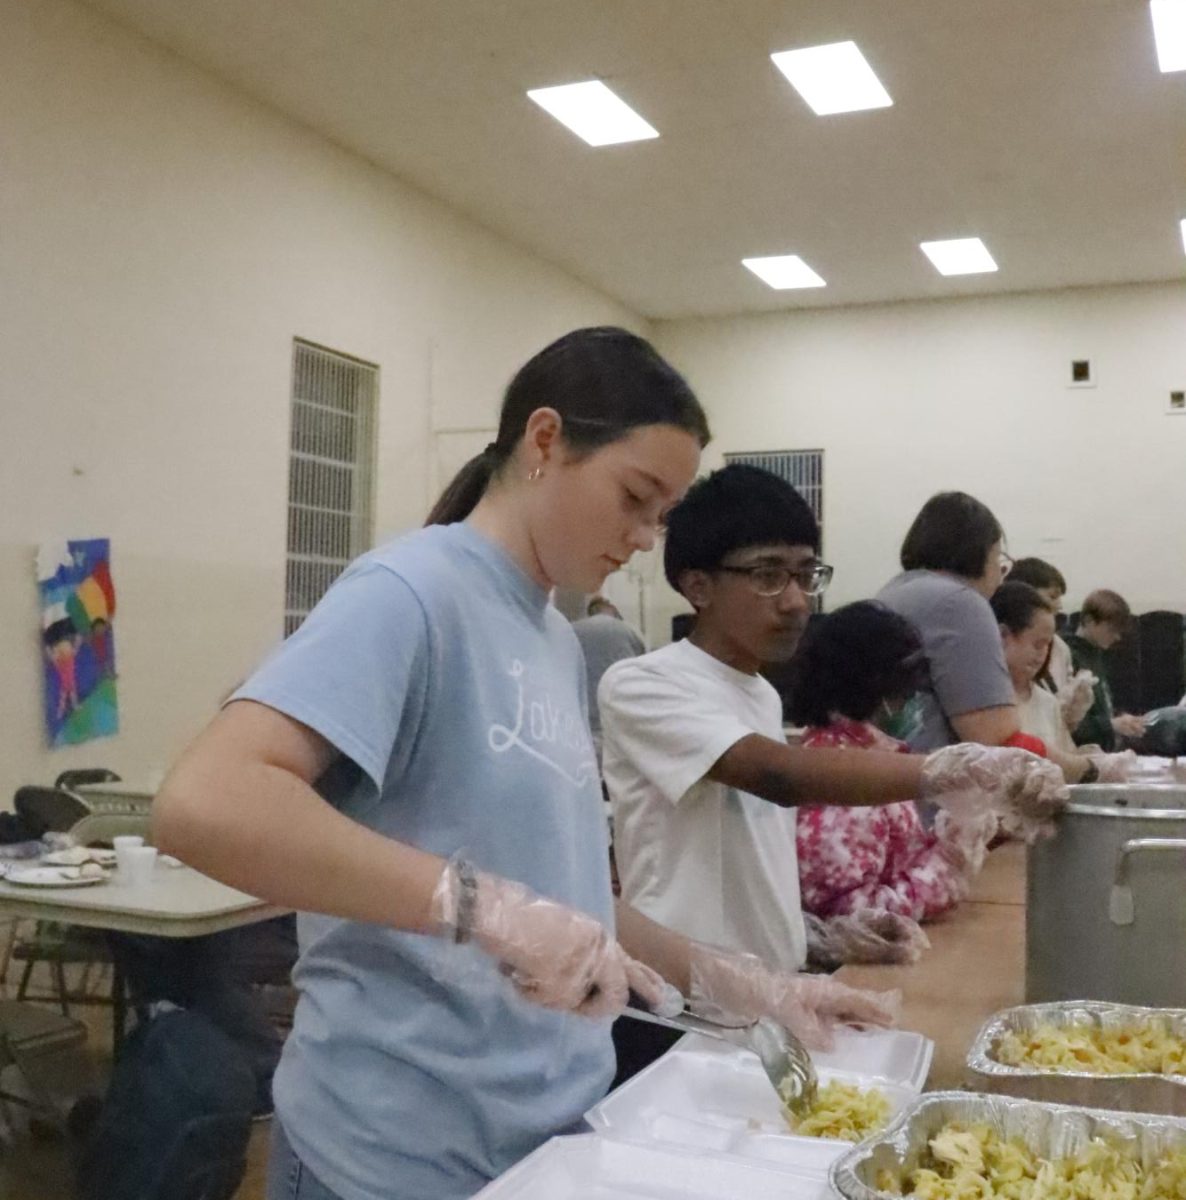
x: 1049, y: 1130
x: 1145, y: 1093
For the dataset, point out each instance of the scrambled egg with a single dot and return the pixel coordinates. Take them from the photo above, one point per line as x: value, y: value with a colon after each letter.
x: 1139, y: 1049
x: 974, y: 1163
x: 842, y: 1111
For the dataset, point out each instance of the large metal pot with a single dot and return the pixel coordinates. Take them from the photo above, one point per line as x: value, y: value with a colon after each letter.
x: 1106, y: 899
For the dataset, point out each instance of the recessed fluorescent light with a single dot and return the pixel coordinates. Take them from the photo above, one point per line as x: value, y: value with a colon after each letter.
x: 593, y: 113
x: 1169, y: 32
x: 784, y: 271
x: 1183, y: 227
x: 833, y: 79
x: 959, y: 256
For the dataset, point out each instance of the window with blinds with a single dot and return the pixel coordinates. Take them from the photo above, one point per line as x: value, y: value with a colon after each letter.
x: 330, y: 472
x: 802, y: 469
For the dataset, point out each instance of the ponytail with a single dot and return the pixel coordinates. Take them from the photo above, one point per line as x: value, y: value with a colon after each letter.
x: 466, y: 488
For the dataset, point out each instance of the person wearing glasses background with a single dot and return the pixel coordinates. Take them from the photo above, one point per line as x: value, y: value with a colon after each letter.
x: 701, y: 779
x: 953, y: 560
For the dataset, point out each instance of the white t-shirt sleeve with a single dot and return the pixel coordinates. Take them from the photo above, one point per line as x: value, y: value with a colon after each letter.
x: 671, y: 729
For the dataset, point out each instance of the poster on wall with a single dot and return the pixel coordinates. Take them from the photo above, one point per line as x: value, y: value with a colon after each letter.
x: 78, y: 640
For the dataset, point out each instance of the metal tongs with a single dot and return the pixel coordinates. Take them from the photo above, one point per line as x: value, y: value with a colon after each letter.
x: 784, y: 1058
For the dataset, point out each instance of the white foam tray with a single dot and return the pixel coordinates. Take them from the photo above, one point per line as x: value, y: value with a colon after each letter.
x: 898, y: 1055
x: 587, y: 1167
x: 723, y: 1104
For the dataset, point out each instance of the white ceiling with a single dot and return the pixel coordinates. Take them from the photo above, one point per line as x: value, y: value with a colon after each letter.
x: 1043, y: 126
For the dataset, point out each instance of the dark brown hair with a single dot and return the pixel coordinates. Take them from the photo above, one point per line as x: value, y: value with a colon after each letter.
x: 952, y: 532
x: 603, y: 381
x: 1014, y: 604
x: 1037, y: 572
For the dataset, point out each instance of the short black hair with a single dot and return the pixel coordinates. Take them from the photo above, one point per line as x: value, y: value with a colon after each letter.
x: 1038, y: 573
x: 731, y: 509
x: 952, y: 532
x: 1014, y: 604
x: 851, y: 660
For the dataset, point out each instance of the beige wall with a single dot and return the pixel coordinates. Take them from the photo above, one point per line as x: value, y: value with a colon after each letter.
x: 162, y: 240
x: 909, y: 399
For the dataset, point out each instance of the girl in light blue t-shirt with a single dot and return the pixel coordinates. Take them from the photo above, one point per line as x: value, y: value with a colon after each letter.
x: 412, y: 770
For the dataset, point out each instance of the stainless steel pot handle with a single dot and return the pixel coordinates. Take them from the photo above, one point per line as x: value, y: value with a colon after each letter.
x: 1121, y: 908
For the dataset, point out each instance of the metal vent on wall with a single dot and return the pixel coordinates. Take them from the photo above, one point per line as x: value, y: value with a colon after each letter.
x: 330, y: 473
x: 802, y: 469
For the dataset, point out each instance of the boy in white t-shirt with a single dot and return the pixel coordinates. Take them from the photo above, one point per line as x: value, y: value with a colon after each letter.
x: 698, y: 771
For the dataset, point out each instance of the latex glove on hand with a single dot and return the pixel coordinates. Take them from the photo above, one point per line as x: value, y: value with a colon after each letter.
x: 810, y: 1006
x: 1024, y: 791
x: 1115, y: 768
x: 964, y: 839
x: 865, y: 936
x: 1077, y: 697
x: 554, y: 955
x: 1128, y: 725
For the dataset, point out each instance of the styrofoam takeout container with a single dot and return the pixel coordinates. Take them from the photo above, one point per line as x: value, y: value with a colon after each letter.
x: 898, y: 1055
x: 587, y: 1167
x: 723, y: 1104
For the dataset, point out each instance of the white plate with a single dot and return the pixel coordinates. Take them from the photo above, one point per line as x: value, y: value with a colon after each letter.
x: 723, y: 1105
x: 50, y: 877
x: 595, y: 1168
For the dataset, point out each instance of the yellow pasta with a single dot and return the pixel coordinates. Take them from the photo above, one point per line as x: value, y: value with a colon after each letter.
x: 842, y: 1111
x: 1149, y: 1048
x: 973, y: 1163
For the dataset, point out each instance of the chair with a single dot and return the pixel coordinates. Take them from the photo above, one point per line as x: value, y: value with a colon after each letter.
x: 60, y: 946
x: 48, y: 810
x: 84, y: 777
x: 47, y: 1051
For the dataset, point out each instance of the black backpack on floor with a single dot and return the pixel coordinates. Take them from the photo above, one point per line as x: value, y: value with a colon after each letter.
x: 176, y: 1119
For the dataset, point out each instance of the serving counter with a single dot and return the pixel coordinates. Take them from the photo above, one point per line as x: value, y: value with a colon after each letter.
x: 975, y: 967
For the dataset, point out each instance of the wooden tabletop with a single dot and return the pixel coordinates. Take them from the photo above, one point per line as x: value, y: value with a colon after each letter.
x: 975, y: 967
x: 176, y: 902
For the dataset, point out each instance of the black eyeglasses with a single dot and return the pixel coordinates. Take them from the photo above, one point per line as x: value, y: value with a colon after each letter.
x: 767, y: 580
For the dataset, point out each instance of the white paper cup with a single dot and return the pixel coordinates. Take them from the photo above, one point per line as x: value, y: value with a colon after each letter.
x: 134, y: 863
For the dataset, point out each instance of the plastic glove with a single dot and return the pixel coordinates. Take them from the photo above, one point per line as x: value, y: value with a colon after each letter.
x: 810, y: 1006
x: 1024, y: 791
x: 964, y: 838
x: 866, y: 936
x: 1128, y: 725
x: 555, y: 956
x: 1077, y: 697
x: 1115, y: 768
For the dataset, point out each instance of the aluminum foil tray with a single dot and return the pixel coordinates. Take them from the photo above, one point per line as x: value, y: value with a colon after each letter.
x: 1127, y: 1093
x: 1051, y: 1130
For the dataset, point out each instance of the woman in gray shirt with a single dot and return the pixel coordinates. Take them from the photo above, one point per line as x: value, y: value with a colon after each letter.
x: 952, y: 562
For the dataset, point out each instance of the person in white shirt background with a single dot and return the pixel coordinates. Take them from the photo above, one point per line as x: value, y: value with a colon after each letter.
x: 1026, y: 618
x: 698, y: 771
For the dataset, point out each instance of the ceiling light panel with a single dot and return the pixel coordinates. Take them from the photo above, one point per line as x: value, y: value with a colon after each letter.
x: 594, y: 113
x: 1183, y: 228
x: 783, y: 271
x: 1169, y: 32
x: 833, y: 79
x: 959, y: 256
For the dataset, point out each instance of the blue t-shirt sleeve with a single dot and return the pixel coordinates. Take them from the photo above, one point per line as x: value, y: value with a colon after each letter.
x: 356, y: 671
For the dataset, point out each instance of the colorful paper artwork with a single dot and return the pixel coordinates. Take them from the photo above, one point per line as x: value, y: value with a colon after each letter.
x: 78, y: 640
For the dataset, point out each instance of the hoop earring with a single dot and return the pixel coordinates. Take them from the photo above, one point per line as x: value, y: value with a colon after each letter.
x: 537, y: 473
